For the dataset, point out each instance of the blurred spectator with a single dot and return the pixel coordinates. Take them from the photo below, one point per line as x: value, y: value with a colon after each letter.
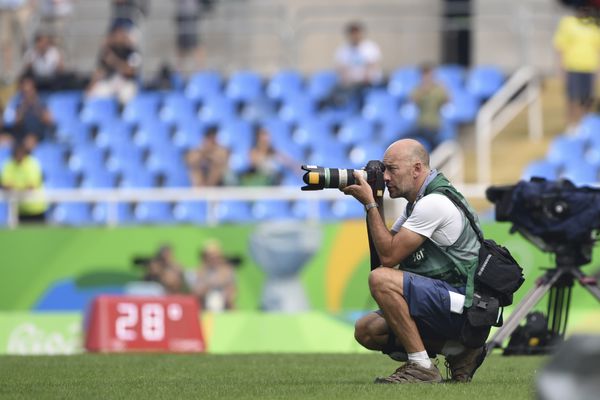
x: 189, y: 51
x: 33, y: 121
x: 358, y: 63
x: 54, y: 17
x: 44, y: 63
x: 577, y: 41
x: 429, y: 97
x: 127, y: 13
x: 208, y: 163
x: 266, y: 163
x: 23, y: 172
x: 215, y: 281
x: 118, y: 67
x: 164, y: 269
x: 14, y: 16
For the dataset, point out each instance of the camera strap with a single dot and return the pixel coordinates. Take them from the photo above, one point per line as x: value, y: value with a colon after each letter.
x: 458, y: 203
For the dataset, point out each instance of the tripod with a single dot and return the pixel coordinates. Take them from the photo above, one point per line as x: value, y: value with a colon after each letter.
x: 559, y: 283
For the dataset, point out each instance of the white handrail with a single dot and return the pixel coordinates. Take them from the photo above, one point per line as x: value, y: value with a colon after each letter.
x: 520, y: 91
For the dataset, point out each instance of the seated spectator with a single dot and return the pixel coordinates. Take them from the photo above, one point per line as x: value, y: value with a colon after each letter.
x: 164, y: 269
x: 429, y: 97
x: 118, y: 67
x: 23, y: 172
x: 266, y: 163
x: 215, y: 281
x: 33, y: 121
x: 44, y: 63
x: 208, y: 163
x: 358, y: 63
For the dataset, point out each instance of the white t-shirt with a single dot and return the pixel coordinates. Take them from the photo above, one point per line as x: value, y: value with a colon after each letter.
x: 44, y: 65
x: 436, y: 217
x: 357, y: 59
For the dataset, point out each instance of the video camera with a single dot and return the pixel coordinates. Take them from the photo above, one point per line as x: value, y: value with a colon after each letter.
x: 556, y: 216
x: 318, y: 178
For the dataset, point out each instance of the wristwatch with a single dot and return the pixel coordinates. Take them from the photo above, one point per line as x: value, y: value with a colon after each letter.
x: 370, y: 205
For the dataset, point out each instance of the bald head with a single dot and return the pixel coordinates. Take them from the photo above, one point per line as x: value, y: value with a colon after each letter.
x: 410, y: 150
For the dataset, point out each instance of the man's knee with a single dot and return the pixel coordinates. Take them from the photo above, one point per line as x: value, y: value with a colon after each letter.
x: 365, y: 332
x: 382, y: 280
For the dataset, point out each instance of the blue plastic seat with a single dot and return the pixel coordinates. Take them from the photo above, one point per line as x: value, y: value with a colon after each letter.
x: 73, y: 132
x: 580, y: 173
x: 321, y: 84
x: 3, y: 213
x: 153, y: 212
x: 49, y: 155
x: 164, y: 160
x: 284, y: 84
x: 64, y: 106
x: 5, y: 152
x: 395, y: 128
x: 176, y: 107
x: 239, y: 161
x: 462, y: 107
x: 541, y: 169
x: 216, y: 110
x: 60, y: 178
x: 137, y: 178
x: 347, y: 209
x: 451, y: 76
x: 297, y: 108
x: 589, y: 126
x: 356, y: 130
x: 87, y: 158
x: 271, y: 210
x: 244, y: 86
x: 98, y: 110
x: 194, y: 212
x: 113, y: 134
x: 177, y: 178
x: 98, y: 179
x: 233, y: 211
x: 310, y: 131
x: 144, y: 106
x: 379, y: 106
x: 152, y: 135
x: 565, y: 149
x: 203, y: 85
x: 124, y: 158
x: 403, y: 81
x: 10, y: 110
x: 188, y: 134
x: 123, y: 213
x: 73, y: 214
x: 484, y: 81
x: 236, y: 135
x: 363, y: 152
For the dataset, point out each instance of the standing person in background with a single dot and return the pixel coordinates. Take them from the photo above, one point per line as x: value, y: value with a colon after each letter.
x: 54, y: 17
x: 23, y: 172
x: 190, y: 53
x: 577, y: 41
x: 14, y: 16
x: 44, y: 63
x: 429, y: 97
x: 358, y: 63
x: 215, y: 281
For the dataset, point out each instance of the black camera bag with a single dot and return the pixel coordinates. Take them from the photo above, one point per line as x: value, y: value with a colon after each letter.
x: 498, y: 273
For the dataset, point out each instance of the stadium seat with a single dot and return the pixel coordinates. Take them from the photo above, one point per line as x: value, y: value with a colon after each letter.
x: 244, y: 86
x: 124, y: 158
x: 137, y: 178
x: 194, y: 212
x: 98, y: 110
x: 236, y: 135
x: 565, y: 149
x: 462, y: 107
x: 233, y: 211
x: 321, y: 84
x: 311, y: 131
x: 98, y: 179
x: 451, y: 76
x: 363, y: 152
x: 113, y: 134
x: 3, y: 213
x: 395, y: 128
x: 73, y: 132
x: 356, y: 130
x: 64, y: 106
x: 541, y: 169
x: 10, y: 110
x: 188, y: 134
x: 589, y: 127
x: 177, y: 178
x: 284, y: 84
x: 164, y: 160
x: 60, y: 178
x: 580, y: 173
x: 484, y: 81
x: 328, y: 154
x: 176, y: 107
x: 74, y: 214
x: 153, y: 212
x: 144, y: 106
x: 347, y: 209
x: 203, y: 85
x: 5, y: 152
x: 379, y: 106
x: 270, y: 209
x: 239, y: 161
x: 403, y: 81
x: 87, y: 158
x: 217, y: 109
x: 50, y: 154
x: 101, y: 213
x: 152, y: 135
x: 296, y: 108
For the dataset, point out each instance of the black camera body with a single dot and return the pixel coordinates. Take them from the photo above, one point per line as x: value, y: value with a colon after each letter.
x: 318, y: 178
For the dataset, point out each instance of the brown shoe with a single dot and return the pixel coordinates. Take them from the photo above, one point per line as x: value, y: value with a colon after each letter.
x: 463, y: 366
x: 413, y: 373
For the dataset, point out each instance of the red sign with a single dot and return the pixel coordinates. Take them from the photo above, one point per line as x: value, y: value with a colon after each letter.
x: 135, y: 323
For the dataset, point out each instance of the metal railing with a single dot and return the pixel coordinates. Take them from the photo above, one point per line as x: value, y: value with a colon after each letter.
x: 522, y: 90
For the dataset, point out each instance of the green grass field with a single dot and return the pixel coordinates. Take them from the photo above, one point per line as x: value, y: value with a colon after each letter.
x: 263, y: 376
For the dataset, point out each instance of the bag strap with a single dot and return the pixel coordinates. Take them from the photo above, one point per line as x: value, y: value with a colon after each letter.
x: 465, y: 211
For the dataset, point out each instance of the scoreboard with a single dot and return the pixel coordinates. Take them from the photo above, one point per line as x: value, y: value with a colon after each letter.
x: 136, y: 323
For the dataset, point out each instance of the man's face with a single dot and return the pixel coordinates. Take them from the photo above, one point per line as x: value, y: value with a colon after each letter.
x: 355, y: 37
x: 398, y: 175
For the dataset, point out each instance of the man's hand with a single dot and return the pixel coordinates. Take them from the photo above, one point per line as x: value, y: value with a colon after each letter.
x: 361, y: 191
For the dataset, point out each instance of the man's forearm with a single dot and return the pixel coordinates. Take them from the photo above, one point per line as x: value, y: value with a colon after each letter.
x: 381, y: 236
